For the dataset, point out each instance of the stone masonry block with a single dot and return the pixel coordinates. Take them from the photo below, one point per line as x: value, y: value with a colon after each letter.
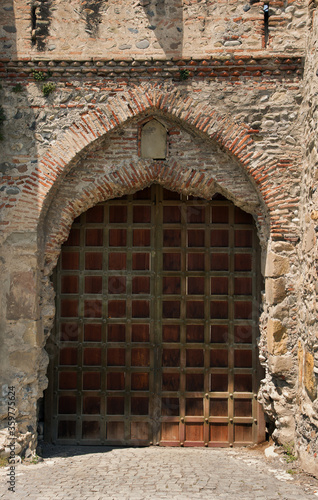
x: 306, y: 375
x: 300, y: 363
x: 21, y: 300
x: 309, y: 239
x: 282, y: 246
x: 275, y: 290
x: 24, y: 359
x: 276, y: 265
x: 314, y: 215
x: 276, y: 337
x: 281, y: 366
x: 309, y: 376
x: 153, y: 140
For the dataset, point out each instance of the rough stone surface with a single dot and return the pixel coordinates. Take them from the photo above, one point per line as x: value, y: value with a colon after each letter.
x: 281, y: 366
x: 307, y: 411
x: 275, y: 290
x: 309, y: 376
x: 170, y: 29
x: 276, y: 265
x: 276, y: 337
x: 22, y: 299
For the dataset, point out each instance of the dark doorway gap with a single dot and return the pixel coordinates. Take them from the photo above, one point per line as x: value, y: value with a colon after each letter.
x: 266, y: 23
x: 33, y: 24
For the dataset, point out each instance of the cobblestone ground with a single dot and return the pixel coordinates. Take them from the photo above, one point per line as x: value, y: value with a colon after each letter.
x: 157, y: 473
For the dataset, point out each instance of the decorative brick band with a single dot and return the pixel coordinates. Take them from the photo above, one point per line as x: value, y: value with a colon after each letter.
x: 214, y: 68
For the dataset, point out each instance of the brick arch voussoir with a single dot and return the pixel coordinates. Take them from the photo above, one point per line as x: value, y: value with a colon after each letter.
x: 95, y: 123
x: 233, y: 137
x: 170, y: 175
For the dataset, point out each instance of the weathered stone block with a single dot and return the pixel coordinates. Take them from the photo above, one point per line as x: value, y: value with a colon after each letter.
x: 309, y: 376
x: 23, y: 359
x: 309, y: 239
x: 153, y: 140
x: 300, y: 363
x: 285, y: 431
x: 280, y: 311
x: 314, y: 215
x: 276, y: 337
x: 281, y: 366
x: 282, y: 246
x: 275, y: 290
x: 308, y: 462
x: 23, y: 239
x: 32, y: 334
x: 21, y: 300
x: 276, y: 265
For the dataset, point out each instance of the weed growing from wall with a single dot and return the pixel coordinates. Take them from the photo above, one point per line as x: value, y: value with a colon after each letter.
x: 48, y: 88
x: 184, y: 74
x: 17, y: 88
x: 39, y: 76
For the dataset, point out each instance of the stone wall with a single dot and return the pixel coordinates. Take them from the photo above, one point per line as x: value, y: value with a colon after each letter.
x: 149, y: 28
x: 235, y: 124
x: 307, y: 347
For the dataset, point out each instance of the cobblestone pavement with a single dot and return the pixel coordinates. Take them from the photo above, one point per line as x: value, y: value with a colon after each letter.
x: 157, y: 473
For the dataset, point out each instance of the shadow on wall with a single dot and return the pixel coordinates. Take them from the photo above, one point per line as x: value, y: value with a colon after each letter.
x: 166, y: 20
x: 7, y: 30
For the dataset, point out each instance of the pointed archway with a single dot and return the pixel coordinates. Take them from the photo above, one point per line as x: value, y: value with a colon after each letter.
x: 156, y: 325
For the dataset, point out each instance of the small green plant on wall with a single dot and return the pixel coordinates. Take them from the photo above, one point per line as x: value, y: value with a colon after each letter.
x: 39, y: 76
x: 289, y: 452
x: 2, y: 119
x: 184, y: 74
x: 17, y: 88
x: 48, y: 88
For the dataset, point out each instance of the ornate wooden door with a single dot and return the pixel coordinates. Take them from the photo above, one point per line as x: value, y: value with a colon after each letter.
x: 156, y: 325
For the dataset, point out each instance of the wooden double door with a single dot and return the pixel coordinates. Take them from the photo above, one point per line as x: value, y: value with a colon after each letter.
x: 156, y: 325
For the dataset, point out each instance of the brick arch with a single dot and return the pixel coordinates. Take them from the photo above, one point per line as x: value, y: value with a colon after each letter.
x: 171, y: 175
x: 93, y: 124
x: 234, y: 140
x: 88, y: 127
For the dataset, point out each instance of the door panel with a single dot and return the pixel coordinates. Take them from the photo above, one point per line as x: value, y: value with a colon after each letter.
x: 157, y: 303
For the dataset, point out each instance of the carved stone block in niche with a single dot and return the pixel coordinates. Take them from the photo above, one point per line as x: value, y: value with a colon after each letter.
x: 153, y: 140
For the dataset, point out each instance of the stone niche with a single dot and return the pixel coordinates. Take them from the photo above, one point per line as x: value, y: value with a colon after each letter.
x: 153, y: 141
